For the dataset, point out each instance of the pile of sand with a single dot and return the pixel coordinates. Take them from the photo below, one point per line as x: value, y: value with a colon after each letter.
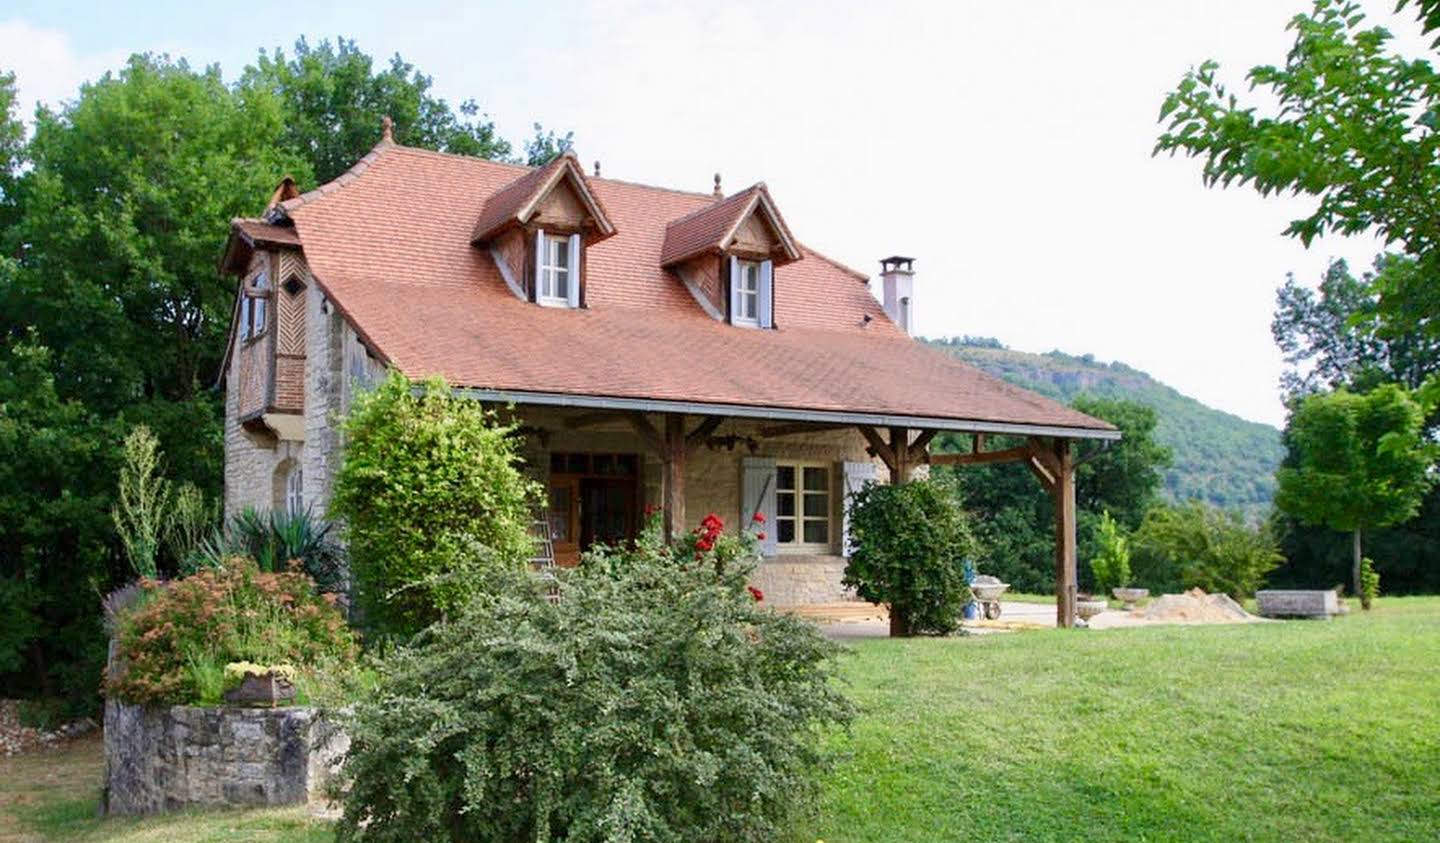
x: 1194, y: 606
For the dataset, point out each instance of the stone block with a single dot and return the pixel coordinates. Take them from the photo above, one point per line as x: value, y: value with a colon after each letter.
x: 1297, y: 603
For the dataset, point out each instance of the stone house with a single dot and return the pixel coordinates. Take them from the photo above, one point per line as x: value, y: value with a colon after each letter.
x: 662, y: 348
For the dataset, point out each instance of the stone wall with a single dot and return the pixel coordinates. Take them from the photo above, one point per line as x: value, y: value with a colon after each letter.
x: 170, y: 758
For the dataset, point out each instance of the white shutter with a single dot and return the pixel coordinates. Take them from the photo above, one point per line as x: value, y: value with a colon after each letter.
x: 244, y: 316
x: 573, y: 289
x: 539, y: 262
x: 857, y: 474
x: 767, y: 283
x: 758, y: 495
x: 734, y: 288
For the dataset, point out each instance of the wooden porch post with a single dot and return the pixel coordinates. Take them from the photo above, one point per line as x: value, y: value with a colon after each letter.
x: 904, y: 461
x: 1062, y: 492
x: 673, y: 455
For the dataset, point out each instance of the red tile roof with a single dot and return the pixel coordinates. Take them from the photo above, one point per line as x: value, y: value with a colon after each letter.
x: 710, y: 229
x: 391, y: 247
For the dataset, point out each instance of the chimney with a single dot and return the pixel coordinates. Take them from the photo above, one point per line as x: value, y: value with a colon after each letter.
x: 898, y: 280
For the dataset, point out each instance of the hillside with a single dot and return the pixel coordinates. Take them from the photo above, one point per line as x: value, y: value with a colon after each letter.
x: 1219, y: 457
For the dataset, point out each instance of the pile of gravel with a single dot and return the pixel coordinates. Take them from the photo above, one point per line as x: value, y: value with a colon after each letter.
x: 16, y: 737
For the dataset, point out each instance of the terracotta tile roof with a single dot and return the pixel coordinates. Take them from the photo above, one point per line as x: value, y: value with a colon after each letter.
x: 514, y: 202
x: 709, y: 229
x: 262, y: 232
x: 392, y: 248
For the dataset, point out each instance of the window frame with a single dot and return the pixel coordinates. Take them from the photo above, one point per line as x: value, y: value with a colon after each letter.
x: 254, y: 307
x: 746, y: 268
x: 799, y: 545
x: 546, y: 269
x: 295, y: 490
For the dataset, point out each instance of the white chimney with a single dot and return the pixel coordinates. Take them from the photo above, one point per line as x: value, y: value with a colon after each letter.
x: 898, y: 300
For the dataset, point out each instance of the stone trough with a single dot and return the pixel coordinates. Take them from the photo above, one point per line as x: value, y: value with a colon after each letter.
x: 1297, y: 603
x: 167, y: 758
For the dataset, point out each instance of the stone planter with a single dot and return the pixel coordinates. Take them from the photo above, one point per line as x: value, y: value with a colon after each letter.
x: 1130, y: 596
x: 169, y: 758
x: 1089, y: 607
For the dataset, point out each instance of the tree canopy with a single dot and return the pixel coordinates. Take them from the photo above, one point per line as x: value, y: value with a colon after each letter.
x: 1352, y: 124
x: 1357, y: 461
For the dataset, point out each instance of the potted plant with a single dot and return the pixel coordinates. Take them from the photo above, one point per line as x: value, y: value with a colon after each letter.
x: 1111, y: 564
x: 1088, y: 606
x: 255, y: 684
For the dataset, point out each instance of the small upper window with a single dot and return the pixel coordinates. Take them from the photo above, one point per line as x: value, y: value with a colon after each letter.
x: 747, y: 298
x: 555, y: 272
x: 252, y: 307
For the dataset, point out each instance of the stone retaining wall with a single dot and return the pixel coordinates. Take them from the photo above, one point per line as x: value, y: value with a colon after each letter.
x: 168, y: 758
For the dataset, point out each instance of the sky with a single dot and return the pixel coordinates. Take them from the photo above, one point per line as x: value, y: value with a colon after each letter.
x: 1006, y: 146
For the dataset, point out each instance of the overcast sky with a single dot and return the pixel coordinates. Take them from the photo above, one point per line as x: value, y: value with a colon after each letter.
x: 1006, y: 146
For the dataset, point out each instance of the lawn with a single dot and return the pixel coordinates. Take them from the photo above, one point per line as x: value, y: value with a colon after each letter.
x: 1296, y: 731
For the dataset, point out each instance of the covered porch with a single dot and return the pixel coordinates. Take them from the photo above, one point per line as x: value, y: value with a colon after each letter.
x: 677, y: 448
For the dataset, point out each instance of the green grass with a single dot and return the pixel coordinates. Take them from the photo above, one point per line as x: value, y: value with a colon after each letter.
x: 1311, y: 731
x: 1289, y: 731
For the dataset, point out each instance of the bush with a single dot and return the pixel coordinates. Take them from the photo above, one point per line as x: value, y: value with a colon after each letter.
x: 1196, y: 545
x: 1111, y: 562
x: 1369, y: 583
x: 651, y: 699
x: 433, y: 501
x: 273, y: 540
x: 175, y: 640
x: 141, y: 503
x: 909, y: 545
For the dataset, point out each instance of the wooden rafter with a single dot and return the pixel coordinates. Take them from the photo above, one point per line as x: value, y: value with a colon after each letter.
x: 647, y: 432
x: 775, y: 430
x: 589, y: 420
x: 920, y: 448
x: 1019, y: 454
x: 878, y: 446
x: 697, y: 437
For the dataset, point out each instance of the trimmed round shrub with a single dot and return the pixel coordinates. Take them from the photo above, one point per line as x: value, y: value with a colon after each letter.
x: 644, y: 696
x: 433, y: 502
x: 909, y: 543
x: 175, y: 639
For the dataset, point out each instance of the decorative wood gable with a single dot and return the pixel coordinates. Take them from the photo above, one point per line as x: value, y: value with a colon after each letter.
x: 554, y: 202
x: 726, y: 254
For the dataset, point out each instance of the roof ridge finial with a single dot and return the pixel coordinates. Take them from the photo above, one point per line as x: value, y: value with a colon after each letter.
x: 597, y: 168
x: 386, y: 129
x: 718, y: 192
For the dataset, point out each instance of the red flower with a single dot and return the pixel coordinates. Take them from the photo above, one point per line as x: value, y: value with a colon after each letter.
x: 712, y: 523
x: 760, y: 535
x: 651, y: 509
x: 755, y: 592
x: 758, y: 518
x: 704, y: 543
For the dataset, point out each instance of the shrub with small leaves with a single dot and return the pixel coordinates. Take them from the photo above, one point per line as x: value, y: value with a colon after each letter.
x: 1369, y: 583
x: 910, y: 542
x: 649, y: 698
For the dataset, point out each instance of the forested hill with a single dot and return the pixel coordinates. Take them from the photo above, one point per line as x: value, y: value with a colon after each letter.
x: 1218, y: 457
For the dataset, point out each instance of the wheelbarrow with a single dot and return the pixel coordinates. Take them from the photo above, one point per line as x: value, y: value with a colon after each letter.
x: 987, y: 590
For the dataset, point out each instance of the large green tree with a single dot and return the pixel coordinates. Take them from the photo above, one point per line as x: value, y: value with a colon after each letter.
x: 1356, y: 462
x: 334, y: 99
x: 1348, y: 121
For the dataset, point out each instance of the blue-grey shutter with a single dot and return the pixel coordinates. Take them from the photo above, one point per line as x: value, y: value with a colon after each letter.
x: 857, y: 474
x: 573, y: 289
x: 757, y: 491
x: 539, y: 262
x: 734, y: 288
x: 767, y: 289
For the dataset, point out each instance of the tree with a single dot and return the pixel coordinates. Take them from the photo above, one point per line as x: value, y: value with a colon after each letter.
x: 1357, y: 462
x: 334, y: 100
x: 1111, y: 562
x: 910, y: 542
x: 1196, y: 545
x: 1124, y: 478
x: 545, y: 146
x: 432, y: 500
x: 1353, y: 125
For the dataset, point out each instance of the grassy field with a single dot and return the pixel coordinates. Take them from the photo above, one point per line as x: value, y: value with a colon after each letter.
x: 1298, y: 731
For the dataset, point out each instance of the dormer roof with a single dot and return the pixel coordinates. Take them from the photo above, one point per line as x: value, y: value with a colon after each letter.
x: 714, y: 229
x: 247, y: 235
x: 516, y: 202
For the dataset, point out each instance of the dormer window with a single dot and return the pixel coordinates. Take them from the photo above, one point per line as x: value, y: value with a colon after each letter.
x: 557, y: 261
x: 751, y: 293
x: 747, y: 294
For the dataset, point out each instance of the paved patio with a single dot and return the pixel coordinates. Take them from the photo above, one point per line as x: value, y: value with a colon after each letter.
x: 848, y: 621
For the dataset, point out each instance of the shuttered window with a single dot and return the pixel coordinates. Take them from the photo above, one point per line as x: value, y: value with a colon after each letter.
x: 802, y: 505
x: 751, y: 293
x: 554, y: 270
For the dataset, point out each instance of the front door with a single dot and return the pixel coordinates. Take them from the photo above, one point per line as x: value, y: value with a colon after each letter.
x: 594, y: 499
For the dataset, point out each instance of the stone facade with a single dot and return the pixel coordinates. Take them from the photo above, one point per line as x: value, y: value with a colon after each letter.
x: 161, y: 759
